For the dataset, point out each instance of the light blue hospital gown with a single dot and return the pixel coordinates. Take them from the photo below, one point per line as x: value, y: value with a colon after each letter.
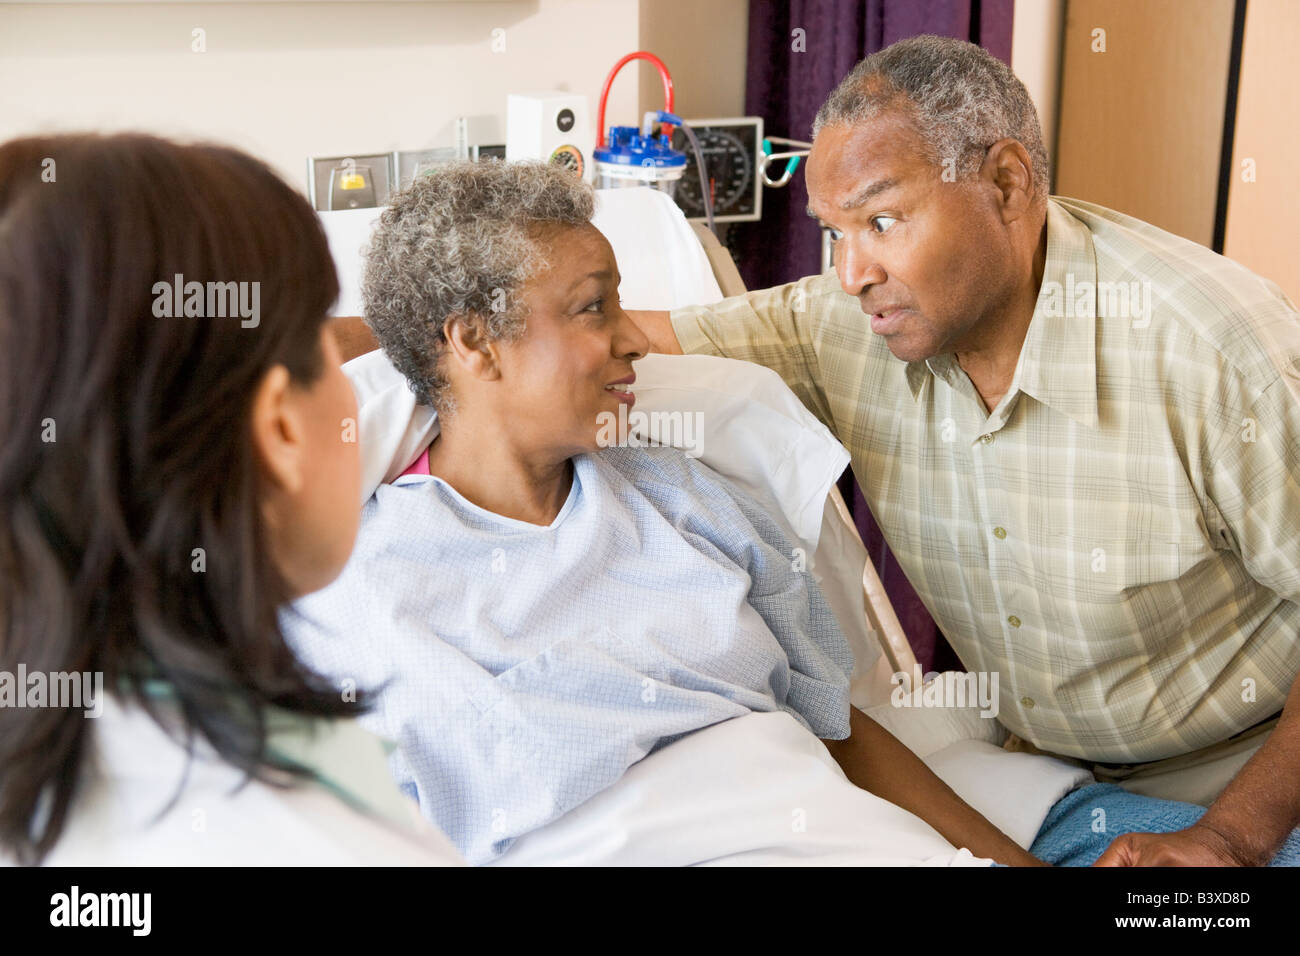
x: 525, y: 668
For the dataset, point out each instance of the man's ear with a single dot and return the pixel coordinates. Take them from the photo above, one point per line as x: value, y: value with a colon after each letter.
x: 1008, y: 167
x: 278, y: 435
x: 469, y: 347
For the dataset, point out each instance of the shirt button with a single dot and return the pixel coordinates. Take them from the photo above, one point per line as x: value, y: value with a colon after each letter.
x: 1013, y: 621
x: 986, y: 439
x: 1027, y: 701
x: 999, y: 532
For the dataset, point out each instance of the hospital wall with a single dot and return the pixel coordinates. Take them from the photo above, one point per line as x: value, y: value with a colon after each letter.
x: 291, y: 80
x: 1148, y: 91
x: 1263, y: 221
x: 1036, y: 33
x: 704, y: 44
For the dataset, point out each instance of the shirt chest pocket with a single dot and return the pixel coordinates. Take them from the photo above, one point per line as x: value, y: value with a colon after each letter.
x: 1108, y: 546
x: 1097, y: 565
x: 1113, y: 550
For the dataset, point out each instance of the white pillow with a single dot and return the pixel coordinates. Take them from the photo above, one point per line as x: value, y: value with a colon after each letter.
x: 393, y: 430
x: 348, y: 231
x: 662, y: 263
x: 753, y: 430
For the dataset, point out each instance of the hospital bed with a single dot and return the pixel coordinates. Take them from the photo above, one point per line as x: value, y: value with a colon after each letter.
x: 756, y: 428
x: 663, y: 268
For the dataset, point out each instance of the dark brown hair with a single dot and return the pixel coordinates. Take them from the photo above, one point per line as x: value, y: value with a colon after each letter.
x: 152, y: 456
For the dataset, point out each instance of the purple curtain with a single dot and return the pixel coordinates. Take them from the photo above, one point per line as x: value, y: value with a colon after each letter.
x: 786, y: 88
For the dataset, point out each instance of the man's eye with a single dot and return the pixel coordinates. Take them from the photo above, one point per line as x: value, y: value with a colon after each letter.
x: 876, y: 220
x: 597, y: 306
x: 836, y: 235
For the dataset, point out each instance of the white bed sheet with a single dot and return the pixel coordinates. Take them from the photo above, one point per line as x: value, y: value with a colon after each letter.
x: 753, y: 791
x: 761, y: 790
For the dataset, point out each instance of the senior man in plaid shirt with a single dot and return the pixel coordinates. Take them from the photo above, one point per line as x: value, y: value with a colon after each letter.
x: 1079, y: 434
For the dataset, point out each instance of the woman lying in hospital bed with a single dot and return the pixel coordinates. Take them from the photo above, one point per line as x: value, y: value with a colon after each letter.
x: 539, y: 613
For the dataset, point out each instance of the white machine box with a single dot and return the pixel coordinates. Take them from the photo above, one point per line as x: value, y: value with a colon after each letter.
x: 554, y: 126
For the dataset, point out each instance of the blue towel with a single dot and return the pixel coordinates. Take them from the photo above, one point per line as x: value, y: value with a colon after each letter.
x: 1067, y: 837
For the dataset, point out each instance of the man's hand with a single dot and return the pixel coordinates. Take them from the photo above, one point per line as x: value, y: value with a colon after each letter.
x: 1196, y: 846
x: 1251, y: 818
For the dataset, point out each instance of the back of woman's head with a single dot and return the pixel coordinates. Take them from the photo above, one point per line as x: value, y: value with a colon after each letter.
x: 131, y: 540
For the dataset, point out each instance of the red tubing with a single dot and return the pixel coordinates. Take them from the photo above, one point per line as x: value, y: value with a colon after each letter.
x: 609, y: 81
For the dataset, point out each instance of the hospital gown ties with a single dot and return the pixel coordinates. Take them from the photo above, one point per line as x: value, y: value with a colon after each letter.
x: 522, y: 669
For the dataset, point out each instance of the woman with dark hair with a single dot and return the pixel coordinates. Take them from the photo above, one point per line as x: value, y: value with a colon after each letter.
x: 177, y: 459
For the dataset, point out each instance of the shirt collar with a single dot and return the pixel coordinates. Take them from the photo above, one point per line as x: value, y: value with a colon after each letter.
x: 1058, y: 361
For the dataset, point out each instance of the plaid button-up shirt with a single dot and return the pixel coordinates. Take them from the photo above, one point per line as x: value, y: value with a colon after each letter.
x: 1119, y: 540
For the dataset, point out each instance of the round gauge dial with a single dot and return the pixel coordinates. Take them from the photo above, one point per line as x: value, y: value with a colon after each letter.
x: 728, y: 170
x: 570, y: 157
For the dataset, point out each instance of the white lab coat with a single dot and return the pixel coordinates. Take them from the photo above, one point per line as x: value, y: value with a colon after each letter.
x: 357, y: 816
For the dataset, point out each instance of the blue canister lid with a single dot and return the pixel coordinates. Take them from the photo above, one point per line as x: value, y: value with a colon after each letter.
x: 627, y: 147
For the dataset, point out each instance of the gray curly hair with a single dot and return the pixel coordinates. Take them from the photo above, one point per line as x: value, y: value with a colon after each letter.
x: 962, y: 98
x: 461, y: 240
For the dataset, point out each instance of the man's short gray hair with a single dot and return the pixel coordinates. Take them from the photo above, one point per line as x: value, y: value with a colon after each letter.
x: 961, y: 97
x: 462, y: 239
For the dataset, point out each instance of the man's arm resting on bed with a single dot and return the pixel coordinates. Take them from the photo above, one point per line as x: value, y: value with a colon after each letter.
x: 1254, y: 486
x: 875, y: 760
x: 658, y: 328
x: 1247, y: 824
